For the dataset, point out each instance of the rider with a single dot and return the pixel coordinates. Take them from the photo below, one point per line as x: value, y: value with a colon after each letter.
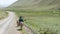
x: 21, y: 21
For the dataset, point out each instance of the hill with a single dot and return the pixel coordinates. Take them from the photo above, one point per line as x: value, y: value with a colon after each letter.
x: 36, y: 4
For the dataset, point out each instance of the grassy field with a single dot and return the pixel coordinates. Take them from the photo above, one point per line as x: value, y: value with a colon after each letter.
x: 3, y: 14
x: 41, y: 21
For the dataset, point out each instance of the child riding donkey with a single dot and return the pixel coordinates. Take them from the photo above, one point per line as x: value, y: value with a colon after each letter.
x: 20, y: 22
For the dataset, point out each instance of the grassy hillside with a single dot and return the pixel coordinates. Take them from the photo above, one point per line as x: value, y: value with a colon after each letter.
x: 41, y: 21
x: 3, y: 14
x: 35, y: 4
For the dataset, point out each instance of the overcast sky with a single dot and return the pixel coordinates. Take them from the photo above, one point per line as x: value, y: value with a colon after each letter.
x: 5, y: 3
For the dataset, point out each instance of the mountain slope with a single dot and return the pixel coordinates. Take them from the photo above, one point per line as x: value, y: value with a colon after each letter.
x: 50, y: 4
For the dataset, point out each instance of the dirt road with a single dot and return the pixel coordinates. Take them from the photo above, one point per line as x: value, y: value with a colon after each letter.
x: 8, y: 25
x: 12, y: 29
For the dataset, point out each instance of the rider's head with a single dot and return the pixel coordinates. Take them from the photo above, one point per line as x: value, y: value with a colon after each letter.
x: 20, y: 16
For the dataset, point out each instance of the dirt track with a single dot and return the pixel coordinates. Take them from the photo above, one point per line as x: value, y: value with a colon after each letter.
x: 11, y: 28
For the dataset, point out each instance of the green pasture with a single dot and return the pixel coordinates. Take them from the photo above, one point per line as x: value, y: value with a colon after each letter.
x: 41, y: 21
x: 3, y: 14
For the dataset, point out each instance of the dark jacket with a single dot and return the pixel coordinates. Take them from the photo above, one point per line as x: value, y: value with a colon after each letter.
x: 21, y: 19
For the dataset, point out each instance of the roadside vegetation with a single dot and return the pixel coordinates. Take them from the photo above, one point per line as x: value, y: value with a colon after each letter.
x: 3, y: 14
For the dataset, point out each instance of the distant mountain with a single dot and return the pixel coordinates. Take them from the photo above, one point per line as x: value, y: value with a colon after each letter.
x: 1, y: 6
x: 49, y: 4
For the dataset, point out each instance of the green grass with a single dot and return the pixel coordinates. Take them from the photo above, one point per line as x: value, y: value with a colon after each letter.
x: 41, y: 21
x: 3, y: 14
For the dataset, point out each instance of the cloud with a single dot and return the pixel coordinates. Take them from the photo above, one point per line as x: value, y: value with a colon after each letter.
x: 6, y: 3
